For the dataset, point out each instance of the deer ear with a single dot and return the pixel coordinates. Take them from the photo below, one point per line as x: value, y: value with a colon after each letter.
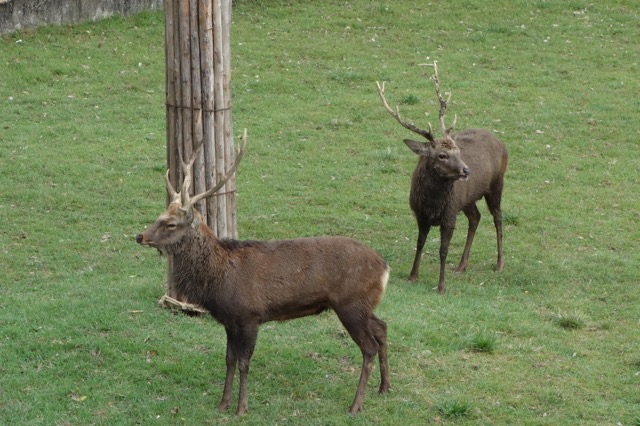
x: 420, y: 148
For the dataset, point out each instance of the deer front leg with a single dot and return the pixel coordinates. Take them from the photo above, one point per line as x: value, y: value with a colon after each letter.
x: 445, y: 238
x: 423, y: 231
x: 232, y: 362
x: 246, y: 344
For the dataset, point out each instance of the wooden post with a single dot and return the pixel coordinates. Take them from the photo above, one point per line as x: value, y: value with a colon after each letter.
x: 198, y: 89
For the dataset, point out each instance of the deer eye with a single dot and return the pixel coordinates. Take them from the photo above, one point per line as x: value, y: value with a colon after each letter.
x: 171, y: 226
x: 442, y: 156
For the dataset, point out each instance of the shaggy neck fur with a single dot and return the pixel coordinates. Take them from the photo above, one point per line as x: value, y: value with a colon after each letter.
x: 198, y: 265
x: 431, y: 195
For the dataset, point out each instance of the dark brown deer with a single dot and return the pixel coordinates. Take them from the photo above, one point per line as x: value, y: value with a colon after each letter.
x: 246, y: 283
x: 452, y: 174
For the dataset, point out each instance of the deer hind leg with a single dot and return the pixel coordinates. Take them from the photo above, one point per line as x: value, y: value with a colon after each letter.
x: 423, y: 231
x: 379, y: 330
x: 493, y: 202
x: 473, y: 214
x: 357, y: 324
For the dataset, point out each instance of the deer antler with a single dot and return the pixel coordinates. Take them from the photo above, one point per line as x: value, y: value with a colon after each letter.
x: 183, y: 196
x: 175, y: 197
x: 396, y: 114
x: 443, y: 104
x: 195, y: 199
x: 187, y: 172
x: 443, y: 108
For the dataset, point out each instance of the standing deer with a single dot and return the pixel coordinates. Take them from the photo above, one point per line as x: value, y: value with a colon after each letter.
x: 246, y: 283
x: 452, y: 174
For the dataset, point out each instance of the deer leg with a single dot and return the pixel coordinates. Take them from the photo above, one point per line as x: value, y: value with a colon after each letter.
x: 379, y: 330
x: 367, y: 366
x: 357, y: 324
x: 500, y: 263
x: 246, y: 344
x: 232, y: 362
x: 493, y: 202
x: 473, y: 214
x: 445, y: 238
x: 423, y: 231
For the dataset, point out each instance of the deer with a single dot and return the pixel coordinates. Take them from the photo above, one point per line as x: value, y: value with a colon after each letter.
x: 244, y: 284
x: 452, y: 174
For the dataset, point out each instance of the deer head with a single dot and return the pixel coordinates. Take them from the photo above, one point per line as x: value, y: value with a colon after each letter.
x: 180, y: 216
x: 442, y: 154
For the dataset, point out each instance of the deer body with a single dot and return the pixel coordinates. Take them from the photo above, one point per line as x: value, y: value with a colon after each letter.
x: 244, y: 284
x: 436, y: 200
x: 452, y: 174
x: 273, y: 280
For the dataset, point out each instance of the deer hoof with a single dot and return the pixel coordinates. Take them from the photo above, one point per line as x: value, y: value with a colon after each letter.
x: 354, y: 410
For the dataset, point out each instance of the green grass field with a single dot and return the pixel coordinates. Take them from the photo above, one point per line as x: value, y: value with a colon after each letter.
x: 552, y: 340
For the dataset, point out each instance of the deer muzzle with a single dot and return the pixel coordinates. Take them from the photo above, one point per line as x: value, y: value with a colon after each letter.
x: 465, y: 172
x: 145, y: 240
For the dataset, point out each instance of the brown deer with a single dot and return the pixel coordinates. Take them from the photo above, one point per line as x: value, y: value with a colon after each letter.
x: 452, y: 174
x: 243, y: 284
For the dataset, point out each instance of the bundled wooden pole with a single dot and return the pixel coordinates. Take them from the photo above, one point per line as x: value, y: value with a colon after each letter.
x: 198, y: 86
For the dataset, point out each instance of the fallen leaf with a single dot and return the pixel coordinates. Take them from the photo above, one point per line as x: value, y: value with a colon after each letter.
x: 78, y: 398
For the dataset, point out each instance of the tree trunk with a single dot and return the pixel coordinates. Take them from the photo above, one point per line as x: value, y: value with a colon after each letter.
x: 198, y: 86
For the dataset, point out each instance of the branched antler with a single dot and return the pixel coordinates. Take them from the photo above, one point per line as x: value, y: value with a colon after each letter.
x: 183, y: 196
x: 396, y: 114
x: 187, y: 172
x: 443, y: 104
x: 410, y: 126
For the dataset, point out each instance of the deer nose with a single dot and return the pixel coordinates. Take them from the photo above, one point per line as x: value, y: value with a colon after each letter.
x: 139, y: 239
x: 466, y: 171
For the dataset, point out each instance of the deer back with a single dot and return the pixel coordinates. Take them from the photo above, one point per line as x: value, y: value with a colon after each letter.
x: 286, y: 279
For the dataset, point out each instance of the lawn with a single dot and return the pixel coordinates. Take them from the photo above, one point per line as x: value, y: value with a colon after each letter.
x: 554, y: 339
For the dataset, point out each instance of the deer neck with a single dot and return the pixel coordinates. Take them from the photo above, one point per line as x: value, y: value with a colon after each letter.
x: 198, y: 266
x: 427, y: 181
x: 199, y: 246
x: 431, y: 196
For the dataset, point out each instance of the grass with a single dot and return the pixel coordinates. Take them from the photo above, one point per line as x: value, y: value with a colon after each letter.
x: 550, y: 340
x: 454, y: 408
x: 569, y: 321
x: 483, y: 342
